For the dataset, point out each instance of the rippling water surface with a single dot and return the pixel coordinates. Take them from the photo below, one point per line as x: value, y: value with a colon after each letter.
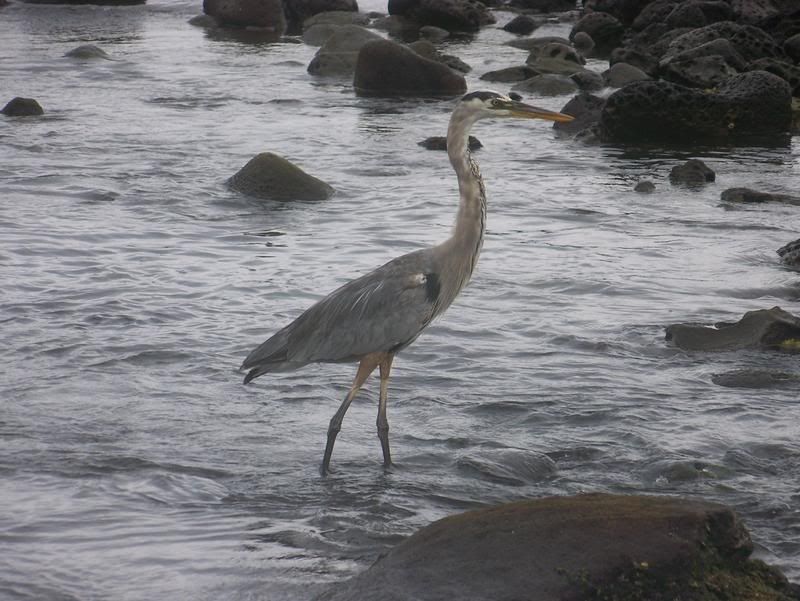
x: 135, y: 465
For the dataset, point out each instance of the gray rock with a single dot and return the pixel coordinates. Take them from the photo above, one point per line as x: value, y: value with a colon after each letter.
x: 752, y: 196
x: 440, y: 143
x: 514, y: 467
x: 645, y: 187
x: 654, y: 13
x: 510, y: 74
x: 790, y: 254
x: 555, y: 58
x: 720, y: 47
x: 750, y: 42
x: 339, y: 53
x: 757, y: 379
x: 547, y: 84
x: 521, y: 25
x: 318, y: 34
x: 427, y: 50
x: 623, y: 10
x: 433, y: 34
x: 753, y: 11
x: 638, y: 58
x: 452, y: 15
x: 397, y: 26
x: 585, y: 108
x: 544, y: 6
x: 22, y: 107
x: 583, y: 43
x: 621, y: 74
x: 336, y: 17
x: 272, y: 177
x: 605, y: 31
x: 686, y: 14
x: 764, y: 328
x: 752, y: 103
x: 701, y: 72
x: 386, y: 68
x: 559, y: 548
x: 791, y: 46
x: 88, y: 52
x: 693, y: 171
x: 266, y: 14
x: 534, y: 44
x: 588, y: 81
x: 299, y: 11
x: 789, y: 73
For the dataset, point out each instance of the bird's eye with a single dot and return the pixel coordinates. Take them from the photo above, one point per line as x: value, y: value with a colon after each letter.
x: 496, y: 102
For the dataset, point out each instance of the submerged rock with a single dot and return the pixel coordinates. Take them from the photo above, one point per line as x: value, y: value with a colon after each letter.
x: 693, y: 171
x: 272, y: 177
x: 748, y: 195
x: 756, y: 378
x: 440, y: 143
x: 22, y: 107
x: 265, y: 14
x: 764, y: 328
x: 386, y: 68
x: 645, y: 187
x: 88, y: 52
x: 595, y: 546
x: 510, y: 74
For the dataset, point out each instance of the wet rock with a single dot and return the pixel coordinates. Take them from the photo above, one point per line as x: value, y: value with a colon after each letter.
x: 789, y: 73
x: 544, y: 6
x: 701, y: 72
x: 533, y: 45
x: 672, y: 471
x: 339, y: 53
x: 510, y: 74
x: 299, y: 11
x: 433, y: 34
x: 583, y: 43
x: 266, y: 14
x: 756, y: 378
x: 427, y: 50
x: 663, y: 548
x: 547, y: 84
x: 521, y: 25
x: 397, y: 26
x: 508, y: 466
x: 440, y: 143
x: 585, y: 108
x: 790, y: 254
x: 753, y: 196
x: 792, y: 47
x: 386, y: 68
x: 621, y: 74
x: 764, y: 328
x: 452, y: 15
x: 643, y: 60
x: 88, y: 52
x: 750, y: 42
x: 645, y: 187
x: 22, y: 107
x: 317, y: 35
x: 556, y: 58
x: 336, y: 17
x: 588, y: 81
x: 605, y: 31
x: 623, y: 10
x: 752, y: 103
x: 693, y: 171
x: 272, y: 177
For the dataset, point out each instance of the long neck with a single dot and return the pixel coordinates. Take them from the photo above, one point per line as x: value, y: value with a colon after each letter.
x: 464, y: 245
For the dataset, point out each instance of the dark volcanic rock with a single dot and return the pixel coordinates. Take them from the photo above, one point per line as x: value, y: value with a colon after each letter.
x: 790, y: 254
x: 645, y: 187
x: 752, y: 196
x: 387, y: 68
x: 585, y: 108
x: 621, y: 74
x: 750, y: 42
x: 693, y: 171
x: 588, y: 81
x: 605, y: 31
x: 426, y: 49
x: 544, y: 6
x: 452, y: 15
x: 22, y: 107
x: 625, y: 11
x: 583, y: 43
x: 638, y: 58
x: 595, y: 546
x: 765, y: 328
x: 784, y: 70
x: 792, y: 47
x: 753, y: 103
x: 272, y: 177
x: 440, y: 143
x: 267, y: 14
x: 298, y: 11
x: 547, y: 84
x: 339, y: 53
x: 521, y: 24
x: 701, y: 72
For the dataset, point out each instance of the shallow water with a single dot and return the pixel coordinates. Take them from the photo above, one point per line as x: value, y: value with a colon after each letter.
x: 134, y: 463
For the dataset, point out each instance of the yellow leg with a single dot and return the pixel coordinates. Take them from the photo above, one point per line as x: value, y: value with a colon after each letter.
x: 383, y: 421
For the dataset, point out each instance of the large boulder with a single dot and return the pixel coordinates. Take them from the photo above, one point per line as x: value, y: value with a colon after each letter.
x: 266, y: 14
x: 595, y: 546
x: 386, y: 68
x: 452, y: 15
x: 339, y: 53
x: 764, y: 328
x: 750, y: 42
x: 521, y: 25
x: 692, y: 173
x: 605, y: 30
x: 298, y: 11
x: 22, y: 107
x: 786, y: 71
x: 701, y: 72
x: 752, y: 103
x: 272, y: 177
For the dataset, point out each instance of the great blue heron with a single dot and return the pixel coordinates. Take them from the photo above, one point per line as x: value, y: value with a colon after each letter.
x: 372, y: 318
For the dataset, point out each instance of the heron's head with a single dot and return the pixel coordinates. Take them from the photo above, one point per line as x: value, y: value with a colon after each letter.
x: 484, y: 104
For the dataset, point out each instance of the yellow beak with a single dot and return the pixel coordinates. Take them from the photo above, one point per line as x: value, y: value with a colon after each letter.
x: 526, y: 111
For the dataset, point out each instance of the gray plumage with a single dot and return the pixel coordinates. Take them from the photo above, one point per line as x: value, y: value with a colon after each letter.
x: 371, y: 318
